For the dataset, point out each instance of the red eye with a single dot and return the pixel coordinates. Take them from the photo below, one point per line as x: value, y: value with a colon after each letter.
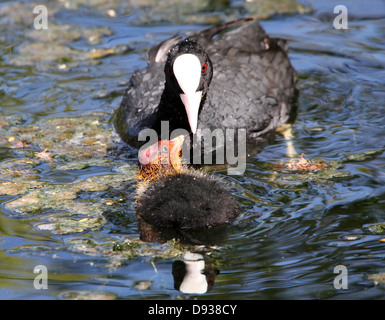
x: 204, y: 67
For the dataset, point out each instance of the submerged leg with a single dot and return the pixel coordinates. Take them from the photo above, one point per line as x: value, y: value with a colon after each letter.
x: 285, y: 130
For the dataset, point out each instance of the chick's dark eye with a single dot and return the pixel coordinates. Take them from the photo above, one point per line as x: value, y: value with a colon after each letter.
x: 204, y: 67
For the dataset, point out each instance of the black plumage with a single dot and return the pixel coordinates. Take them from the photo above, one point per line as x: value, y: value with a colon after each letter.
x: 171, y: 194
x: 186, y: 200
x: 252, y: 87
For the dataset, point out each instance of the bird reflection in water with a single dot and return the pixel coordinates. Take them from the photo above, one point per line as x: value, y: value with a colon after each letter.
x: 191, y: 276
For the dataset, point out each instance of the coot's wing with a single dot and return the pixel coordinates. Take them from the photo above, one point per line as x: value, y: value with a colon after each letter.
x: 137, y: 110
x: 253, y: 83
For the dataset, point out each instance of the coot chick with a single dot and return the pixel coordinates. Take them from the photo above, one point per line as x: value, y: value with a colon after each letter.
x: 230, y: 76
x: 169, y: 194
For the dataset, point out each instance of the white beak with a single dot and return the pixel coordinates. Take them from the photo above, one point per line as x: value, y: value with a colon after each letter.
x: 187, y: 71
x: 192, y: 102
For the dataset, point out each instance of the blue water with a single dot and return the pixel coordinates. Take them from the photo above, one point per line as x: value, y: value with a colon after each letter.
x: 291, y: 233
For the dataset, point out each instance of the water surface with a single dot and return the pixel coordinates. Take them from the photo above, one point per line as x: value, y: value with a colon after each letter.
x: 71, y: 208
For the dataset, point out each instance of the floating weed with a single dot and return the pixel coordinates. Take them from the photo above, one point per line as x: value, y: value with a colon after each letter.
x: 378, y: 279
x: 85, y: 295
x: 375, y: 228
x: 297, y: 172
x: 85, y: 204
x: 44, y: 156
x: 72, y: 150
x: 301, y: 165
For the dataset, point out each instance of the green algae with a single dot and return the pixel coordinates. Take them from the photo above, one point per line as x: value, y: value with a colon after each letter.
x: 46, y: 56
x: 208, y: 12
x: 316, y: 170
x: 65, y: 33
x: 83, y: 205
x: 127, y: 248
x: 68, y: 144
x: 55, y: 48
x: 64, y: 146
x: 365, y: 156
x: 70, y: 225
x: 374, y: 228
x: 86, y: 295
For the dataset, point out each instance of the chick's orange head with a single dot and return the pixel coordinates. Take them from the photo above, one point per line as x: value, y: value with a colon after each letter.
x: 165, y: 153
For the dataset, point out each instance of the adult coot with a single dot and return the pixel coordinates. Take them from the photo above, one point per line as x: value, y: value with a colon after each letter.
x: 229, y: 76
